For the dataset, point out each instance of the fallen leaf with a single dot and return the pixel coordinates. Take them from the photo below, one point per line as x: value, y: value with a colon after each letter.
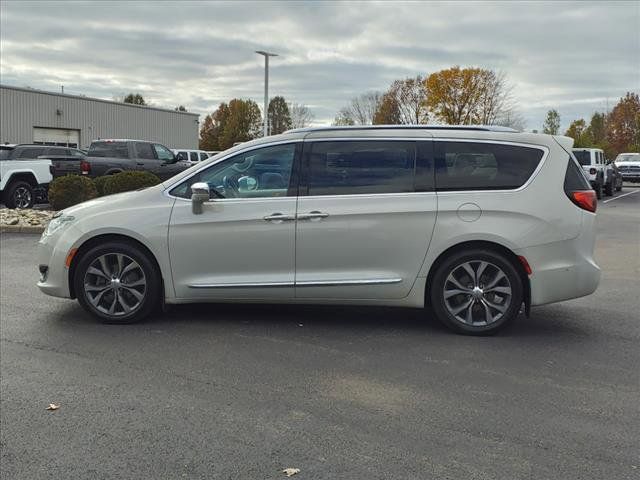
x: 290, y: 471
x: 53, y: 406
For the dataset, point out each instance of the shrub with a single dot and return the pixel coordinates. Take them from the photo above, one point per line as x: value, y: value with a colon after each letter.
x: 99, y: 184
x: 70, y: 190
x: 127, y: 181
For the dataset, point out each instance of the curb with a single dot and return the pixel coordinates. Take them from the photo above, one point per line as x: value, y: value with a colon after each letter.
x: 21, y: 229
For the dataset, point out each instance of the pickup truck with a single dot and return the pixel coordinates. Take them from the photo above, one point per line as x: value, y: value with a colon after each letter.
x: 23, y: 182
x: 106, y: 157
x: 65, y: 160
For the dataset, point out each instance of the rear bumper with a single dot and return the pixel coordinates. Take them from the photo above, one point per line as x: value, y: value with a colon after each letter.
x: 564, y: 270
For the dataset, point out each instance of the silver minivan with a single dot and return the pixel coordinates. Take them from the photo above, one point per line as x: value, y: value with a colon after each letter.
x: 473, y: 222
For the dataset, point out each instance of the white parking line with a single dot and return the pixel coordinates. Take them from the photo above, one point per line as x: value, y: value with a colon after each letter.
x: 620, y: 196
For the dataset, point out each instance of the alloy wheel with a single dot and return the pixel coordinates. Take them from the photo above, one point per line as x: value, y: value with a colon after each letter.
x: 22, y: 197
x: 115, y: 284
x: 477, y: 293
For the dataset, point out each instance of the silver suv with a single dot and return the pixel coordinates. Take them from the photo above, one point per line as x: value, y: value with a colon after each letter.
x: 474, y: 222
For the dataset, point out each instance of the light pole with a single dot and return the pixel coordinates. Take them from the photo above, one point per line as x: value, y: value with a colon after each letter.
x: 266, y: 87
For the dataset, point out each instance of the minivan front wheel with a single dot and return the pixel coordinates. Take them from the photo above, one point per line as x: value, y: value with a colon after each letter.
x: 117, y: 283
x: 476, y: 292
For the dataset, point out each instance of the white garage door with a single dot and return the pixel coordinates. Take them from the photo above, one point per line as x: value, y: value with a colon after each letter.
x: 56, y: 136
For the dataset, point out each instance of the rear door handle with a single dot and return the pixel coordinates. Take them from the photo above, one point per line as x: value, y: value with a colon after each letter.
x: 312, y: 215
x: 279, y: 217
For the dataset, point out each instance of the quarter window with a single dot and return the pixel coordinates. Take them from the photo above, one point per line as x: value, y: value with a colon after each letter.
x: 203, y: 156
x: 259, y: 173
x: 344, y: 168
x: 483, y: 166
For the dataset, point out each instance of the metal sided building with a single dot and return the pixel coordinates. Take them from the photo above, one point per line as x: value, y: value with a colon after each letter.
x: 37, y: 116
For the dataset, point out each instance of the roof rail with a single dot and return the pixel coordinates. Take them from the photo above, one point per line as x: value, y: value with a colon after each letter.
x: 484, y: 128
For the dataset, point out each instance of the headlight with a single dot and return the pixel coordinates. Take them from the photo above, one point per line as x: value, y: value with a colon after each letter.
x: 58, y: 222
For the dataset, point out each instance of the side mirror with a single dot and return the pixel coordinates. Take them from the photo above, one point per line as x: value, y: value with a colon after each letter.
x: 199, y: 194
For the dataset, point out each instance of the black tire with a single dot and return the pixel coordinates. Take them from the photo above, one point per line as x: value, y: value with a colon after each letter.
x: 478, y: 305
x: 19, y: 195
x: 608, y: 188
x: 598, y: 190
x: 144, y: 269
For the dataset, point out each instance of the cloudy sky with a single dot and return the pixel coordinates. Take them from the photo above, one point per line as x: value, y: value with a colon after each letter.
x: 573, y: 56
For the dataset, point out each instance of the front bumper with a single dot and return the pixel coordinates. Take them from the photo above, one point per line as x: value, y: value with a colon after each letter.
x: 52, y: 254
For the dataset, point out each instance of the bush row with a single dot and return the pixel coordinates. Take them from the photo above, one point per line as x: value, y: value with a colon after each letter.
x: 70, y: 190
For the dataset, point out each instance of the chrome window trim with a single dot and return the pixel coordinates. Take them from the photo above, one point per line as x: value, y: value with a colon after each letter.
x: 306, y: 283
x: 541, y: 164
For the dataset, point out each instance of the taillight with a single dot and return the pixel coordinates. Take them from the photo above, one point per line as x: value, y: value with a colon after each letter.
x: 85, y: 167
x: 593, y: 171
x: 585, y: 199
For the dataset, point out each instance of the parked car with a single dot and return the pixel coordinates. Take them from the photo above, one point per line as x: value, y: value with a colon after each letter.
x: 23, y: 181
x: 471, y: 221
x: 629, y: 166
x: 191, y: 156
x: 65, y: 160
x: 600, y: 174
x: 106, y: 157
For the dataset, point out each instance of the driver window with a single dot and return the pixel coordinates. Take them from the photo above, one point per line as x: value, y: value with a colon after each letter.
x: 259, y: 173
x: 163, y: 153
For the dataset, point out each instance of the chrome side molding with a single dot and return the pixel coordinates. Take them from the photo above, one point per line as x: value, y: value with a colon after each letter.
x: 307, y: 283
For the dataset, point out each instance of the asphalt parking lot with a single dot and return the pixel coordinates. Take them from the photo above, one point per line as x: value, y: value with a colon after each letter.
x: 242, y: 392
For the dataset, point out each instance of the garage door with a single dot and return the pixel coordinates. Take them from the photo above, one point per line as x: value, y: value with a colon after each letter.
x: 56, y: 136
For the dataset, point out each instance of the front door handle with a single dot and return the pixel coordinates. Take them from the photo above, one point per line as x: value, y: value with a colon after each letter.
x: 279, y: 217
x: 312, y: 215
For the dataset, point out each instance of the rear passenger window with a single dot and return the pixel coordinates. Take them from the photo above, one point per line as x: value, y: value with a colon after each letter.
x: 203, y: 156
x: 193, y: 156
x: 344, y: 168
x: 483, y: 166
x: 31, y: 152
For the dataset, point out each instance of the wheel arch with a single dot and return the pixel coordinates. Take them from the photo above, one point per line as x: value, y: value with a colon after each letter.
x: 25, y: 176
x: 107, y: 237
x: 489, y: 245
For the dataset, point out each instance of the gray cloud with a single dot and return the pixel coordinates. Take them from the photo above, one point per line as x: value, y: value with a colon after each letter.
x: 570, y: 56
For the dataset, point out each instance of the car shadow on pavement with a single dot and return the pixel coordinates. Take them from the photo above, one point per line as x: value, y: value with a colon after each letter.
x: 558, y: 322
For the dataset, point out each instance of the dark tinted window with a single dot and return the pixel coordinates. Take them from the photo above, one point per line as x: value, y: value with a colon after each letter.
x: 574, y: 179
x: 58, y: 151
x: 583, y: 156
x: 203, y: 156
x: 31, y: 152
x: 343, y: 168
x: 483, y: 166
x: 5, y: 153
x: 109, y: 149
x: 145, y: 151
x: 193, y: 156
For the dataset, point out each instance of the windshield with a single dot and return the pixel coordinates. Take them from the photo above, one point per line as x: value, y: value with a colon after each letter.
x: 628, y: 158
x: 583, y: 156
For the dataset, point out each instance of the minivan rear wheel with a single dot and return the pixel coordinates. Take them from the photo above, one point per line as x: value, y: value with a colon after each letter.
x: 476, y: 292
x: 117, y: 282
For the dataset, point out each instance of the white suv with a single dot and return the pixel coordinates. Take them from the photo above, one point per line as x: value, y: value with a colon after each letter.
x: 600, y: 174
x: 471, y: 221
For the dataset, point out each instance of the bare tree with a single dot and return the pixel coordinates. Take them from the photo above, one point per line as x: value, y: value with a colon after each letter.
x: 301, y: 116
x: 360, y: 111
x: 511, y: 118
x: 408, y: 97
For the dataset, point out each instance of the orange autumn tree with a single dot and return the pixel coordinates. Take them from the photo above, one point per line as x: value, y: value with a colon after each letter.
x: 467, y: 96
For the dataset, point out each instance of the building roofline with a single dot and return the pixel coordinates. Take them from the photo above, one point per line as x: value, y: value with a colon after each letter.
x: 483, y: 128
x: 94, y: 99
